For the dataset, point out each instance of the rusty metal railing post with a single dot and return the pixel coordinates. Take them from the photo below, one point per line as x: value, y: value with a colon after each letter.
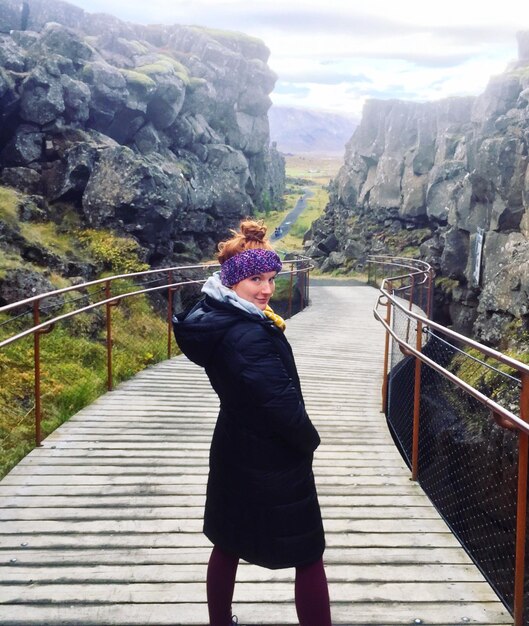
x: 169, y: 313
x: 386, y: 359
x: 416, y: 405
x: 108, y: 310
x: 289, y: 310
x: 36, y: 372
x: 521, y: 507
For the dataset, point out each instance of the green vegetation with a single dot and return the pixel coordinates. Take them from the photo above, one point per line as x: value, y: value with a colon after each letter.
x: 140, y: 80
x: 196, y: 82
x: 47, y: 235
x: 119, y: 255
x: 445, y: 284
x: 316, y: 204
x: 73, y: 368
x: 73, y: 354
x: 227, y: 36
x: 165, y: 65
x: 404, y: 242
x: 489, y: 376
x: 9, y: 200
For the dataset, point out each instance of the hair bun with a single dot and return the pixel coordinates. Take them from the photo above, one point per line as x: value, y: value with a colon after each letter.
x: 251, y: 234
x: 253, y: 231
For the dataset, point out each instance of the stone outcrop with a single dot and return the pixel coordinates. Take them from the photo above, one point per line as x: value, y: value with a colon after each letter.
x: 438, y: 179
x: 160, y: 132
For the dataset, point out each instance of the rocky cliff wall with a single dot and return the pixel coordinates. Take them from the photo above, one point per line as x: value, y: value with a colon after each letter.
x: 441, y: 179
x: 156, y: 131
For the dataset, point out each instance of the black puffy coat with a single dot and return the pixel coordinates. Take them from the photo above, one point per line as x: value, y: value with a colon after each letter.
x: 261, y: 498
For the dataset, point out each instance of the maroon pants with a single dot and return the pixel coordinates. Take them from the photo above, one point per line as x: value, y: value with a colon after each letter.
x: 311, y: 591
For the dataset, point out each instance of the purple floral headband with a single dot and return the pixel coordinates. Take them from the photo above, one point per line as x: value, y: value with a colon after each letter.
x: 249, y: 263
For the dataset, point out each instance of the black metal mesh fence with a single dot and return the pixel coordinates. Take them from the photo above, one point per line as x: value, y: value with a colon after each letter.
x: 467, y: 463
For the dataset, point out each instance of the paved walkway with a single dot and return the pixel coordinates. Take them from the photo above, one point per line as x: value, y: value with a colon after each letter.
x: 102, y: 525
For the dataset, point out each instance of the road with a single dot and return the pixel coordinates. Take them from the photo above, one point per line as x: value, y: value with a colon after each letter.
x: 293, y: 215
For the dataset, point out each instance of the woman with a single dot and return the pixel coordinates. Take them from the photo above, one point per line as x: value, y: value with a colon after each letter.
x: 261, y: 502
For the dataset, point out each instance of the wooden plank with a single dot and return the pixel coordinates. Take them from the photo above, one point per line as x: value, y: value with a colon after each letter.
x: 191, y: 525
x: 328, y: 502
x: 132, y: 540
x: 195, y: 572
x: 195, y: 614
x: 136, y: 513
x: 430, y: 591
x: 364, y: 555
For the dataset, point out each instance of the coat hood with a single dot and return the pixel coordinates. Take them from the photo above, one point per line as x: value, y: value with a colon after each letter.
x: 198, y: 331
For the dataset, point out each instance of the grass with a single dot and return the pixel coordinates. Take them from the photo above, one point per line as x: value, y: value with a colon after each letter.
x: 9, y: 200
x: 73, y: 369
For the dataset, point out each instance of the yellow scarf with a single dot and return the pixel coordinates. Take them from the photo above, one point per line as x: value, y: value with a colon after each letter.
x: 277, y: 319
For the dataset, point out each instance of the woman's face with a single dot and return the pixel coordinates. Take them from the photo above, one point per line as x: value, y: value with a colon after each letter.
x: 257, y: 289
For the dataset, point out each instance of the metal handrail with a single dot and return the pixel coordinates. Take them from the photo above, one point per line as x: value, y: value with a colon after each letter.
x: 101, y: 281
x: 499, y: 356
x: 108, y: 301
x: 298, y: 265
x: 503, y: 417
x: 410, y: 350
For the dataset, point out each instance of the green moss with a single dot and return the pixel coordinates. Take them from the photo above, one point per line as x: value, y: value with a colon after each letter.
x: 9, y: 200
x: 227, y: 36
x: 118, y: 255
x: 48, y: 236
x: 9, y: 260
x: 282, y: 290
x: 196, y: 83
x: 139, y: 80
x: 404, y: 240
x: 445, y: 284
x: 165, y: 65
x: 135, y: 46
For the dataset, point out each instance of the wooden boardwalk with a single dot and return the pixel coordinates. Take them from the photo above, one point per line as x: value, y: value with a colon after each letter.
x: 102, y: 525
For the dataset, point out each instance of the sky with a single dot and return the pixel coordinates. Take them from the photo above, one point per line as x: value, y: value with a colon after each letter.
x: 334, y: 54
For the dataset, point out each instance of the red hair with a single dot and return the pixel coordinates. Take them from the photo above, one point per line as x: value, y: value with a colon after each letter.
x: 251, y: 234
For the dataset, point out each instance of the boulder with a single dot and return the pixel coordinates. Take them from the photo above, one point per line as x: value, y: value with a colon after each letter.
x: 109, y: 93
x: 42, y: 96
x: 22, y: 178
x: 19, y: 284
x: 165, y: 103
x: 12, y: 58
x: 25, y: 147
x: 76, y: 95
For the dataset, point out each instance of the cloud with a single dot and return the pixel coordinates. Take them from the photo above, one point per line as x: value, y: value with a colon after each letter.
x: 323, y: 78
x: 334, y: 54
x: 286, y: 88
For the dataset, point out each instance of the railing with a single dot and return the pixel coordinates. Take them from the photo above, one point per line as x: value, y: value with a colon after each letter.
x: 93, y: 306
x: 459, y: 412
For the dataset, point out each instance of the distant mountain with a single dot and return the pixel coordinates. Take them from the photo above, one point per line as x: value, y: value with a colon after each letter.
x: 304, y: 131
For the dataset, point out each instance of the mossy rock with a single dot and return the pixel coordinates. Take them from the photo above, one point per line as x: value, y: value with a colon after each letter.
x: 227, y: 37
x: 195, y: 83
x: 163, y: 66
x: 138, y: 80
